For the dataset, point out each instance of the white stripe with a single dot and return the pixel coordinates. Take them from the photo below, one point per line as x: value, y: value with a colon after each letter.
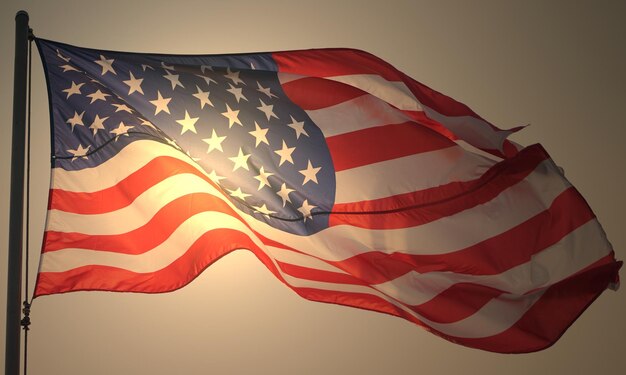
x: 572, y: 253
x: 138, y: 213
x: 360, y: 113
x: 288, y: 77
x: 408, y: 174
x: 300, y: 259
x: 395, y: 93
x: 157, y: 258
x: 512, y: 207
x: 474, y: 131
x: 343, y: 239
x: 171, y: 249
x: 494, y: 317
x: 469, y: 148
x: 176, y: 245
x: 128, y: 160
x: 508, y: 309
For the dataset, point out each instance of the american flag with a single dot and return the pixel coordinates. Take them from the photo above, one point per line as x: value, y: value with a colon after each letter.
x: 351, y: 182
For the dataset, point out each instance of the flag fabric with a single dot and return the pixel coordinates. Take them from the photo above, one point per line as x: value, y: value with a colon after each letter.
x: 351, y: 182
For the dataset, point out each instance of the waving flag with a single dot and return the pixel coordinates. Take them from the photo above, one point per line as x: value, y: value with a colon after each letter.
x: 351, y: 182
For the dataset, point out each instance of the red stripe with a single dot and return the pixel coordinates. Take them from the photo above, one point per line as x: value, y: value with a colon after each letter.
x: 146, y: 237
x: 462, y: 299
x: 204, y: 251
x: 340, y: 62
x: 518, y: 244
x: 421, y: 118
x: 333, y: 62
x: 439, y: 102
x: 567, y: 213
x: 457, y: 302
x: 124, y: 192
x: 314, y: 93
x: 382, y: 143
x: 420, y: 207
x: 558, y: 308
x: 211, y: 247
x: 367, y: 302
x: 453, y: 304
x: 483, y: 258
x: 359, y: 300
x: 315, y: 274
x: 569, y: 297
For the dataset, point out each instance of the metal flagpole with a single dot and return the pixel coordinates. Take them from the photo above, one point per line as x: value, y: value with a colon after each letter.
x: 16, y: 219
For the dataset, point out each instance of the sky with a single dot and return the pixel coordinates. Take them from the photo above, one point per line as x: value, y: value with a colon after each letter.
x: 558, y: 66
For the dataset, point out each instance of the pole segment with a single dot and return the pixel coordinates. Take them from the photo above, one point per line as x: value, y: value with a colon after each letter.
x: 16, y: 219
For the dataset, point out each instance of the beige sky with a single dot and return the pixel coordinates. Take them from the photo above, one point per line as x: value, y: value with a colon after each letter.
x: 555, y: 65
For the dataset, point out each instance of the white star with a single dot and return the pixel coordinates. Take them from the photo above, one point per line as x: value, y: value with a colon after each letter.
x: 122, y: 129
x: 97, y: 124
x: 145, y: 66
x: 160, y: 103
x: 203, y: 97
x: 267, y: 109
x: 284, y: 193
x: 74, y: 89
x: 233, y: 76
x: 233, y: 116
x: 79, y: 152
x: 263, y: 210
x: 265, y: 91
x: 66, y: 59
x: 215, y: 177
x: 106, y: 64
x: 204, y: 68
x: 263, y: 178
x: 236, y: 92
x: 134, y: 84
x: 306, y: 209
x: 173, y: 78
x: 241, y: 161
x: 310, y: 173
x: 122, y: 107
x: 76, y: 120
x: 215, y: 142
x: 285, y: 154
x: 188, y: 123
x: 98, y: 95
x: 238, y: 194
x: 208, y: 80
x: 260, y: 134
x: 167, y: 67
x: 67, y: 68
x: 298, y: 126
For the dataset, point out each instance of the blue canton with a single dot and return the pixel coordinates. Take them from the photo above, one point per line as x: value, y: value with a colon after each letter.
x: 227, y: 113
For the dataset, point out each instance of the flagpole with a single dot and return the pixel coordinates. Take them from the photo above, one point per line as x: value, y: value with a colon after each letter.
x: 16, y: 218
